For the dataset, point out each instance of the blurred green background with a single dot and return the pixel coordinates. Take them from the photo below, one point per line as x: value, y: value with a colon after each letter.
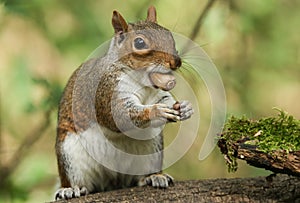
x: 255, y: 45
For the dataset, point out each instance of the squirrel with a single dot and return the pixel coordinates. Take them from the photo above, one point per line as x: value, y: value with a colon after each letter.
x: 113, y: 110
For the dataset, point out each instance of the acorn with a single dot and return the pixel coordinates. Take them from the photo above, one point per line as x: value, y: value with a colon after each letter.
x: 163, y: 81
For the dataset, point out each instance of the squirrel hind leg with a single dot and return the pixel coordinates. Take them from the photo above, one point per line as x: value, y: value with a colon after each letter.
x: 70, y: 192
x: 159, y: 180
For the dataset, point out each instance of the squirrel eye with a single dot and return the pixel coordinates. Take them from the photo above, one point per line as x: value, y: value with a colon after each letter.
x: 139, y: 43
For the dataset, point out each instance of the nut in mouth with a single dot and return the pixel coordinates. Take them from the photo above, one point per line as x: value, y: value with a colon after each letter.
x: 164, y: 81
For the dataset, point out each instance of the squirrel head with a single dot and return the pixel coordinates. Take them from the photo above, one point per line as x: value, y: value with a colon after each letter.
x: 145, y: 45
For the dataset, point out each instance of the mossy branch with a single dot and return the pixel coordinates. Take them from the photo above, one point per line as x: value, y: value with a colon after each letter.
x: 272, y: 143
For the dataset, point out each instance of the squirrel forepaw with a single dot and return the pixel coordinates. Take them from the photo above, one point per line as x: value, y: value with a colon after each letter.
x: 157, y: 180
x: 185, y: 109
x: 70, y: 192
x: 163, y: 113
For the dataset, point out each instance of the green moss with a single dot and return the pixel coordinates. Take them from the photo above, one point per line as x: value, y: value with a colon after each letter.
x: 270, y: 134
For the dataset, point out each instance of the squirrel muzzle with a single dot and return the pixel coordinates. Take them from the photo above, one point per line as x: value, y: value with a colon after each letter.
x: 166, y: 81
x: 175, y: 62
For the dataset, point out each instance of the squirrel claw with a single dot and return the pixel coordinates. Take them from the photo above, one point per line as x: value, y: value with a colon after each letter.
x: 68, y: 193
x: 185, y: 108
x: 157, y: 180
x: 163, y: 112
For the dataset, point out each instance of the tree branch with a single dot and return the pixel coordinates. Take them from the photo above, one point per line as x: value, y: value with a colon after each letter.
x: 197, y: 26
x: 279, y: 189
x: 22, y: 150
x: 278, y: 161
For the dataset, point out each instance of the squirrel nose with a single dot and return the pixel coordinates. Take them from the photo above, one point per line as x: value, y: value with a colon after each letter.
x: 175, y: 62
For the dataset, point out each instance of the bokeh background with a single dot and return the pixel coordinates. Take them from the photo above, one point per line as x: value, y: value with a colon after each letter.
x: 254, y: 44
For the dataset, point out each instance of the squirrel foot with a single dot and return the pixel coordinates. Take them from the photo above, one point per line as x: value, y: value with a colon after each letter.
x: 70, y: 192
x: 157, y: 180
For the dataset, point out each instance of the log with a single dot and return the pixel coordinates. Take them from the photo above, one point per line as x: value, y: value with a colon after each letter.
x: 281, y: 188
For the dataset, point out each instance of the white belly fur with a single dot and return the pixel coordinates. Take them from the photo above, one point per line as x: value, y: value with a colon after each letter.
x: 86, y: 151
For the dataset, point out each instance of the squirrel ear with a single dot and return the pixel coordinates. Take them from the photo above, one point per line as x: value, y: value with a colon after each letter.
x: 119, y: 23
x: 151, y: 16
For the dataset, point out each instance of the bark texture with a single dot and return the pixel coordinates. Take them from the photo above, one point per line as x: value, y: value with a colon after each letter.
x: 278, y: 161
x: 281, y: 188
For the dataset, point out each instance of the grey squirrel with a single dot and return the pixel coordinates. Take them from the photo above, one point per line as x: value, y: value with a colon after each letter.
x: 108, y: 100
